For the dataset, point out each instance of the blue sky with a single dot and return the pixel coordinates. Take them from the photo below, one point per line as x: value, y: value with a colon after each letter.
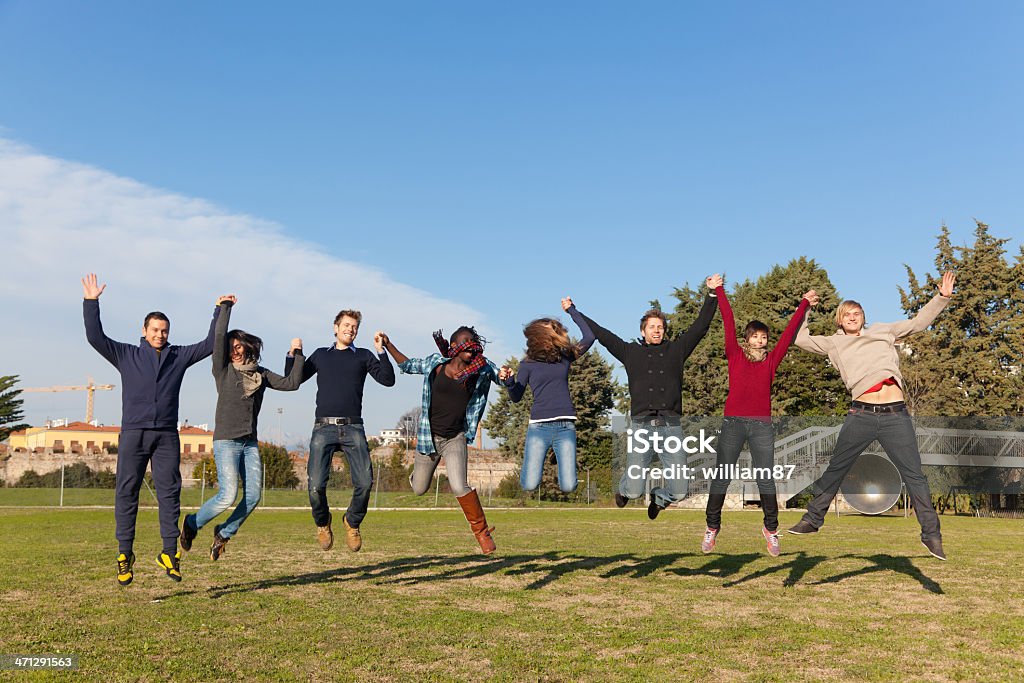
x: 499, y: 156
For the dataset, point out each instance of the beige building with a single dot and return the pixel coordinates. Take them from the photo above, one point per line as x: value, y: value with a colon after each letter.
x: 82, y: 437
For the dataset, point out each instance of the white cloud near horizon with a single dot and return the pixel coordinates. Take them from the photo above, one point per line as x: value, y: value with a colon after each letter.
x: 157, y: 250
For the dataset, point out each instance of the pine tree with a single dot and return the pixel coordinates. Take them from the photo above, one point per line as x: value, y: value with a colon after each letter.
x: 968, y: 363
x: 10, y: 407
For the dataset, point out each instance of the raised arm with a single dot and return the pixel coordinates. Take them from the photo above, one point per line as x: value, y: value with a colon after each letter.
x: 778, y: 352
x: 927, y: 315
x: 193, y: 353
x: 379, y: 365
x: 616, y: 346
x: 399, y: 357
x: 221, y: 353
x: 587, y: 340
x: 698, y: 328
x: 107, y: 347
x: 294, y: 378
x: 815, y: 343
x: 308, y: 364
x: 732, y: 347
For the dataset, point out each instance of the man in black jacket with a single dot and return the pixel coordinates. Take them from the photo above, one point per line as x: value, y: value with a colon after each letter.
x: 151, y: 376
x: 654, y: 369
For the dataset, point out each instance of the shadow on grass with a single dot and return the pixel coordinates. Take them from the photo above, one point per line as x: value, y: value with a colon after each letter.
x: 547, y: 568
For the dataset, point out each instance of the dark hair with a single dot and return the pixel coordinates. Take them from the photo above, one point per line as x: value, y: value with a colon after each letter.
x: 474, y: 335
x: 348, y: 314
x: 754, y: 326
x: 653, y: 313
x: 155, y: 315
x: 251, y: 345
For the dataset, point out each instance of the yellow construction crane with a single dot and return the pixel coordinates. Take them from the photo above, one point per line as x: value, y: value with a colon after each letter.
x: 91, y: 387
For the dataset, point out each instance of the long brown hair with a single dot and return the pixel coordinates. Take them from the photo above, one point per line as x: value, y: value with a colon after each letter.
x: 547, y: 341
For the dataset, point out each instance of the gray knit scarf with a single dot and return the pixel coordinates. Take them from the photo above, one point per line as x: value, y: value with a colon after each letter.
x: 252, y: 378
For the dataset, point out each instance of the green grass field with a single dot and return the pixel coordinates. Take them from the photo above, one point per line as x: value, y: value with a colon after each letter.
x: 571, y: 595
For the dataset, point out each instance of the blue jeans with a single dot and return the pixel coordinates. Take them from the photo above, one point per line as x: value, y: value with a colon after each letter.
x: 675, y: 489
x: 238, y: 460
x: 760, y: 436
x: 351, y: 440
x: 556, y: 435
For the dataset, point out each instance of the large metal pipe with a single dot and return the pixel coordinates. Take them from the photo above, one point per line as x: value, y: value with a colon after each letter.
x: 873, y: 484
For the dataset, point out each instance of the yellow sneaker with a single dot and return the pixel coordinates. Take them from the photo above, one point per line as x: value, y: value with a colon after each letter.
x: 124, y: 568
x: 170, y: 564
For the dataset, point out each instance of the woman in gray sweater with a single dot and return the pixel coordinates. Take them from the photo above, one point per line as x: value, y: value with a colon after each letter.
x: 241, y: 382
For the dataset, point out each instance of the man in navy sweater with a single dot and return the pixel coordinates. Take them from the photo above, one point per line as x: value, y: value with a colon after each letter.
x: 151, y: 376
x: 341, y: 371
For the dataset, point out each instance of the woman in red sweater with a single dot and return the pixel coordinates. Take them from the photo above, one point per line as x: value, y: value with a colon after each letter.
x: 748, y: 410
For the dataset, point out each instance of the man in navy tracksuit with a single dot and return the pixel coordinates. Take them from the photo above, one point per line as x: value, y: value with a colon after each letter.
x: 151, y: 376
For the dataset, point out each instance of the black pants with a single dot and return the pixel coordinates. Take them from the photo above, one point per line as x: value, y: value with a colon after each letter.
x: 761, y: 438
x: 895, y: 432
x: 136, y: 448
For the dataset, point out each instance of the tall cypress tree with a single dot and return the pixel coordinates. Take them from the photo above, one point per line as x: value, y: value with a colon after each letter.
x: 10, y: 407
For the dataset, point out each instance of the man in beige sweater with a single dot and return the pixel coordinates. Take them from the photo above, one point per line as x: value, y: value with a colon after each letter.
x: 868, y: 362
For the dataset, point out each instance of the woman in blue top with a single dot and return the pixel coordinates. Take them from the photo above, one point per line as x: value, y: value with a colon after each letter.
x: 549, y: 353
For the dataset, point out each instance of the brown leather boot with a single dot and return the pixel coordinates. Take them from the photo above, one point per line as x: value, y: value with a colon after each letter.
x: 477, y: 521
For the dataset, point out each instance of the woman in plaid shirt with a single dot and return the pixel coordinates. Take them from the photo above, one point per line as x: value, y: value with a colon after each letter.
x: 455, y: 386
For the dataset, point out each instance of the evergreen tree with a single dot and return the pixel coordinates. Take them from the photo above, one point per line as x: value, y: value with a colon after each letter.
x: 10, y: 407
x: 277, y: 467
x: 968, y: 363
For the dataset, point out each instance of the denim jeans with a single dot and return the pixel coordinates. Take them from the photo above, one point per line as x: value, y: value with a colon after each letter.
x: 351, y: 440
x: 556, y: 435
x: 238, y: 462
x: 760, y: 436
x: 675, y: 489
x: 895, y: 432
x: 455, y: 452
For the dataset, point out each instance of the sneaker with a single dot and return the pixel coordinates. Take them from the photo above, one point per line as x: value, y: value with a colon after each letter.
x: 934, y: 546
x: 802, y: 527
x: 217, y: 549
x: 353, y: 539
x: 171, y: 564
x: 188, y: 534
x: 620, y: 500
x: 772, y: 537
x: 124, y: 568
x: 708, y: 544
x: 653, y: 509
x: 325, y: 536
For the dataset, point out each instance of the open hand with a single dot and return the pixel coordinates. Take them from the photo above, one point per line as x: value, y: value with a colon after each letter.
x: 946, y: 286
x: 89, y: 287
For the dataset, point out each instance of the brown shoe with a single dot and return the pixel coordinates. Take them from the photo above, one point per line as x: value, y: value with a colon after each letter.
x: 325, y: 536
x: 353, y: 539
x: 477, y: 521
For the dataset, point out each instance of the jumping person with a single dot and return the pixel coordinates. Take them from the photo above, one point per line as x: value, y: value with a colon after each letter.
x: 151, y: 376
x: 455, y: 387
x: 748, y: 410
x: 241, y: 383
x: 549, y: 353
x: 341, y: 371
x: 654, y: 369
x: 868, y: 362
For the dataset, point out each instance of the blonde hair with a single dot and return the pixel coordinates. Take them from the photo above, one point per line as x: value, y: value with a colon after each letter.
x: 845, y: 308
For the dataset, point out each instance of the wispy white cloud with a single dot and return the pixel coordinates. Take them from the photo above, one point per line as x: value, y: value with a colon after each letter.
x: 160, y: 250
